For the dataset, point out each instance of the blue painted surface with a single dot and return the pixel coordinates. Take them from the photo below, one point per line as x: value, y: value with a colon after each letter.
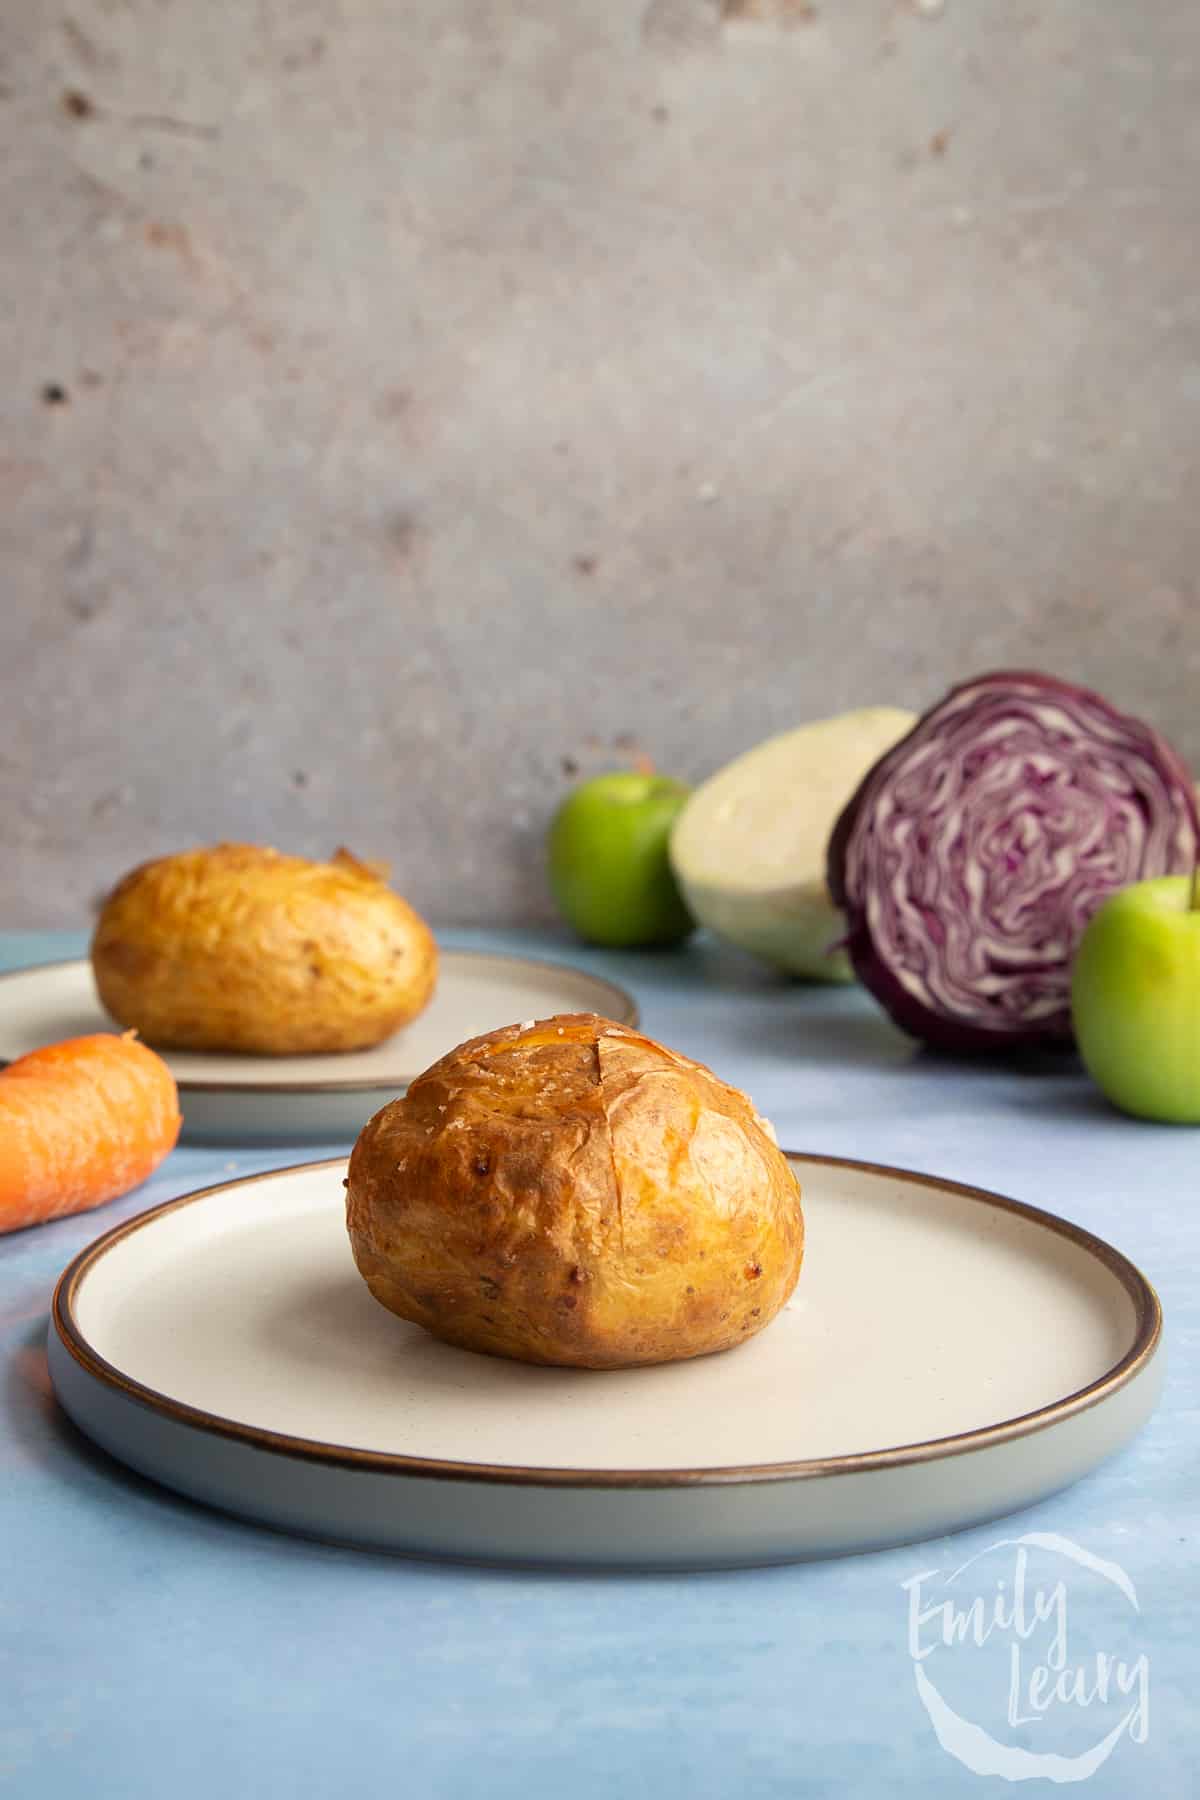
x: 149, y: 1647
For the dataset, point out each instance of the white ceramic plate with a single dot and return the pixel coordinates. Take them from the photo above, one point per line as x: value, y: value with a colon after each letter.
x: 314, y: 1099
x: 949, y: 1356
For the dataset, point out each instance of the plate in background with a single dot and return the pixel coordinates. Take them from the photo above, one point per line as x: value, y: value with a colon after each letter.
x: 297, y: 1099
x: 949, y: 1356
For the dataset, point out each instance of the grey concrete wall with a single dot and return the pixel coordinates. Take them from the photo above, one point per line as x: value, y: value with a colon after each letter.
x: 402, y: 403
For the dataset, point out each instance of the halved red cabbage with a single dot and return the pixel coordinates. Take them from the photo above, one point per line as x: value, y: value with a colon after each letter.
x: 976, y: 850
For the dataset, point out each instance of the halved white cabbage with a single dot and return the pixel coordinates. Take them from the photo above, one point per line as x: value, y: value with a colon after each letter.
x: 748, y: 849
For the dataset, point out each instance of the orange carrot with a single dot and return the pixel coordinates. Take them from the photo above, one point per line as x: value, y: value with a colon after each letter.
x: 81, y: 1122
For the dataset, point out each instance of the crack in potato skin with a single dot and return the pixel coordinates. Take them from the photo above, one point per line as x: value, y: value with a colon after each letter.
x: 240, y: 948
x: 574, y: 1193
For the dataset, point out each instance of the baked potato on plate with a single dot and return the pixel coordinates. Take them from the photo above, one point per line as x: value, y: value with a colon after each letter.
x: 568, y: 1191
x: 241, y: 948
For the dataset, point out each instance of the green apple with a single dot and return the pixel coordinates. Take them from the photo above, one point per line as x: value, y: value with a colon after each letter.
x: 1135, y: 998
x: 609, y: 871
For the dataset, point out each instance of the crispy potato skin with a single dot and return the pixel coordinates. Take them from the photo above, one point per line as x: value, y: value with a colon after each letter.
x: 574, y: 1193
x: 240, y: 948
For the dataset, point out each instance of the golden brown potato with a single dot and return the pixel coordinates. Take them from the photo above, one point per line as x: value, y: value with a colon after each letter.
x: 241, y: 948
x: 571, y: 1192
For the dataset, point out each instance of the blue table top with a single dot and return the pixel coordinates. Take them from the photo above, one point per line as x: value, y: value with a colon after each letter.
x: 150, y: 1647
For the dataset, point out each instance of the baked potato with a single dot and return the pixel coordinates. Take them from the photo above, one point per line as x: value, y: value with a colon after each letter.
x: 571, y: 1192
x: 240, y: 948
